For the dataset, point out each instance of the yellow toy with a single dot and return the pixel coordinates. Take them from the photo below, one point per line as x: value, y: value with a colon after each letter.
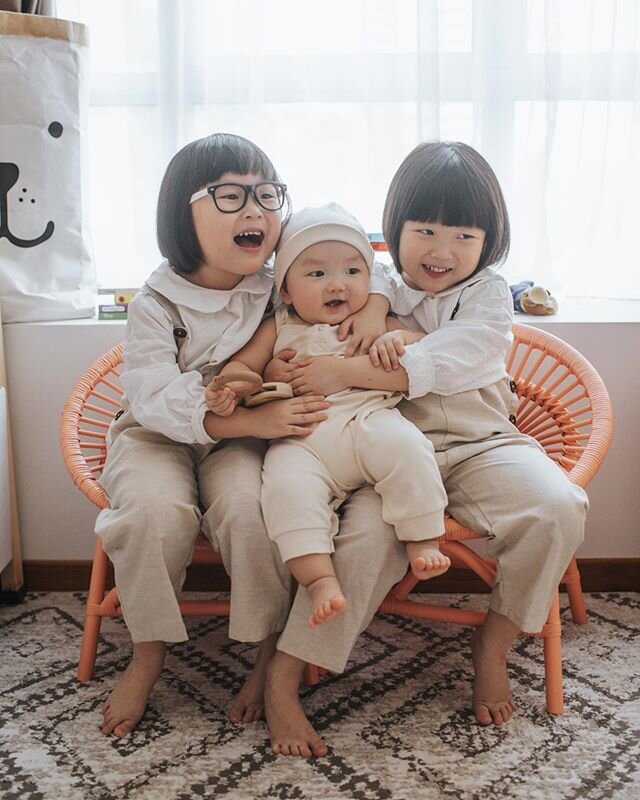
x: 533, y: 299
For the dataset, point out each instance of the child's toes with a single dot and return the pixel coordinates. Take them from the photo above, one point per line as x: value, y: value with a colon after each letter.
x: 337, y: 603
x: 419, y: 564
x: 122, y: 729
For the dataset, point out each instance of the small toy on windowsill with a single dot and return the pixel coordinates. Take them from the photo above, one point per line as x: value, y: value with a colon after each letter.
x: 533, y: 299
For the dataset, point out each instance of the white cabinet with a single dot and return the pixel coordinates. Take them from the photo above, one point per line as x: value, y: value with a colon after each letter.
x: 11, y: 577
x: 5, y: 501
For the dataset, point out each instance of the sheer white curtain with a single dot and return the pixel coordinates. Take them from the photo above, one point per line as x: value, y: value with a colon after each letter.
x: 337, y: 94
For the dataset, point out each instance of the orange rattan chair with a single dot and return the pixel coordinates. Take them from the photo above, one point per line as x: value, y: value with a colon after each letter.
x: 565, y: 406
x: 86, y: 416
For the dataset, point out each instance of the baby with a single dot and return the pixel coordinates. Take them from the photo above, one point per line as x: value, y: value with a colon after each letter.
x: 322, y: 269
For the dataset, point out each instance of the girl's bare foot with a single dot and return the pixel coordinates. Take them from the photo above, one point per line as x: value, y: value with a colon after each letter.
x: 327, y: 600
x: 291, y: 732
x: 492, y: 698
x: 248, y: 706
x: 426, y: 560
x: 126, y: 704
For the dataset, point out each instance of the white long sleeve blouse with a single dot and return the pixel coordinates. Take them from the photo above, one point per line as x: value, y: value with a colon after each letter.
x: 218, y: 324
x: 469, y: 334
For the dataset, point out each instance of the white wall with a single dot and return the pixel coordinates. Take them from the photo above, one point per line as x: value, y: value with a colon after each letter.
x: 45, y: 359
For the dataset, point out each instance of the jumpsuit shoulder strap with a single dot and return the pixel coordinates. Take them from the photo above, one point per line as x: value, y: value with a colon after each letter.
x: 179, y: 329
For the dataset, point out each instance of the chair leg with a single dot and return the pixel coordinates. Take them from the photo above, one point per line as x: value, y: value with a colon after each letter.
x: 551, y: 633
x: 93, y: 619
x: 571, y: 579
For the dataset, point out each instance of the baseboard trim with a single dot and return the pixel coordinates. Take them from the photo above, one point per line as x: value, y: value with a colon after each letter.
x: 598, y: 575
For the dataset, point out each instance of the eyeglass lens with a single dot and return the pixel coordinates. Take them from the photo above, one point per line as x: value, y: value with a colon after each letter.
x: 230, y: 197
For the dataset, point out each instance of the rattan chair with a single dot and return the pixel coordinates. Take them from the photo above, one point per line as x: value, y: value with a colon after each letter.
x: 565, y: 406
x: 86, y: 416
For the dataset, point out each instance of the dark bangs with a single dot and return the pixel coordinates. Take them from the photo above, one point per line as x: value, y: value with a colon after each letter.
x: 452, y: 184
x: 450, y: 196
x: 224, y: 152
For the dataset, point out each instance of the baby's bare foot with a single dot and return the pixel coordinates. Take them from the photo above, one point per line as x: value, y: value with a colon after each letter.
x: 327, y: 600
x: 291, y: 732
x: 248, y: 706
x: 492, y: 698
x: 126, y: 704
x: 426, y: 560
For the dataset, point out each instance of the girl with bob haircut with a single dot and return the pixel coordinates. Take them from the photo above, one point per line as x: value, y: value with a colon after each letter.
x: 463, y: 190
x: 174, y: 468
x: 447, y: 228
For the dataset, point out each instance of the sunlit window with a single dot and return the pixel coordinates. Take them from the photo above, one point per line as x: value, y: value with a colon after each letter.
x: 337, y: 93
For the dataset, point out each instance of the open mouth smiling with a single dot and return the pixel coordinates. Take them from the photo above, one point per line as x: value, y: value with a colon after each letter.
x: 335, y: 303
x: 436, y: 271
x: 249, y: 240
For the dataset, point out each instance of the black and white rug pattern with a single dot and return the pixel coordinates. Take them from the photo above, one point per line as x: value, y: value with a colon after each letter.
x: 397, y: 721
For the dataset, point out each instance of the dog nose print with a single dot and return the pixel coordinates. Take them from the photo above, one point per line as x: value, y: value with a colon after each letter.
x: 55, y: 130
x: 9, y: 174
x: 21, y: 199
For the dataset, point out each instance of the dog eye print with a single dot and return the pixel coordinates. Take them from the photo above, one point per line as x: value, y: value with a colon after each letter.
x: 9, y: 175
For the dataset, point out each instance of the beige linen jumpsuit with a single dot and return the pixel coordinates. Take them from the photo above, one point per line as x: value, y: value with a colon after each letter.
x: 166, y: 479
x: 364, y: 440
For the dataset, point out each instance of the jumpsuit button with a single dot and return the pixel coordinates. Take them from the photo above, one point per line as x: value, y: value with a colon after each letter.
x: 512, y: 418
x: 180, y: 332
x: 513, y: 386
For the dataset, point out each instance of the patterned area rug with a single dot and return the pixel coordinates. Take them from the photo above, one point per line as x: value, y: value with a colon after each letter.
x: 397, y: 721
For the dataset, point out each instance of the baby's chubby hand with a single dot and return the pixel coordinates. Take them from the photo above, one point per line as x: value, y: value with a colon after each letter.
x: 281, y: 367
x: 221, y: 401
x: 386, y: 349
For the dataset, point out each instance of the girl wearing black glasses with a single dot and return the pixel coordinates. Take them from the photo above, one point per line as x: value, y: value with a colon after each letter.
x: 174, y: 468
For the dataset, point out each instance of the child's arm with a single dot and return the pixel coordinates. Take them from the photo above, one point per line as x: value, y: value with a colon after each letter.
x: 328, y: 374
x: 365, y: 325
x: 295, y: 417
x: 466, y: 350
x: 369, y: 323
x: 386, y: 348
x: 251, y: 359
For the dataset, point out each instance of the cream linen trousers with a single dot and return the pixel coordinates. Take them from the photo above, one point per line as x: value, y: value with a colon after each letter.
x: 157, y: 487
x: 501, y: 483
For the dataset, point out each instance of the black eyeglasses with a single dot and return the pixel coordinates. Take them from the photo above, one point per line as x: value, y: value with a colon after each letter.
x: 230, y: 197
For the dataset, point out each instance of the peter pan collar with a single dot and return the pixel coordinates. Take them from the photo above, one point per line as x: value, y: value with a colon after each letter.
x: 179, y: 290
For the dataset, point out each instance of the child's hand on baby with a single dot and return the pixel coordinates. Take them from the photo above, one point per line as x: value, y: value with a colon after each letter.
x: 364, y: 326
x: 221, y: 401
x: 390, y: 346
x: 386, y: 349
x: 280, y: 368
x: 295, y: 417
x: 321, y: 375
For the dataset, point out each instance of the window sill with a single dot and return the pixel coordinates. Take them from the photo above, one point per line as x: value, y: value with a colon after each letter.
x: 572, y: 310
x: 587, y: 310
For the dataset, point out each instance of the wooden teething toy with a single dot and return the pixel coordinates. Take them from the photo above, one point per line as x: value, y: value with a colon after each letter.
x: 241, y: 383
x: 248, y: 386
x: 272, y: 390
